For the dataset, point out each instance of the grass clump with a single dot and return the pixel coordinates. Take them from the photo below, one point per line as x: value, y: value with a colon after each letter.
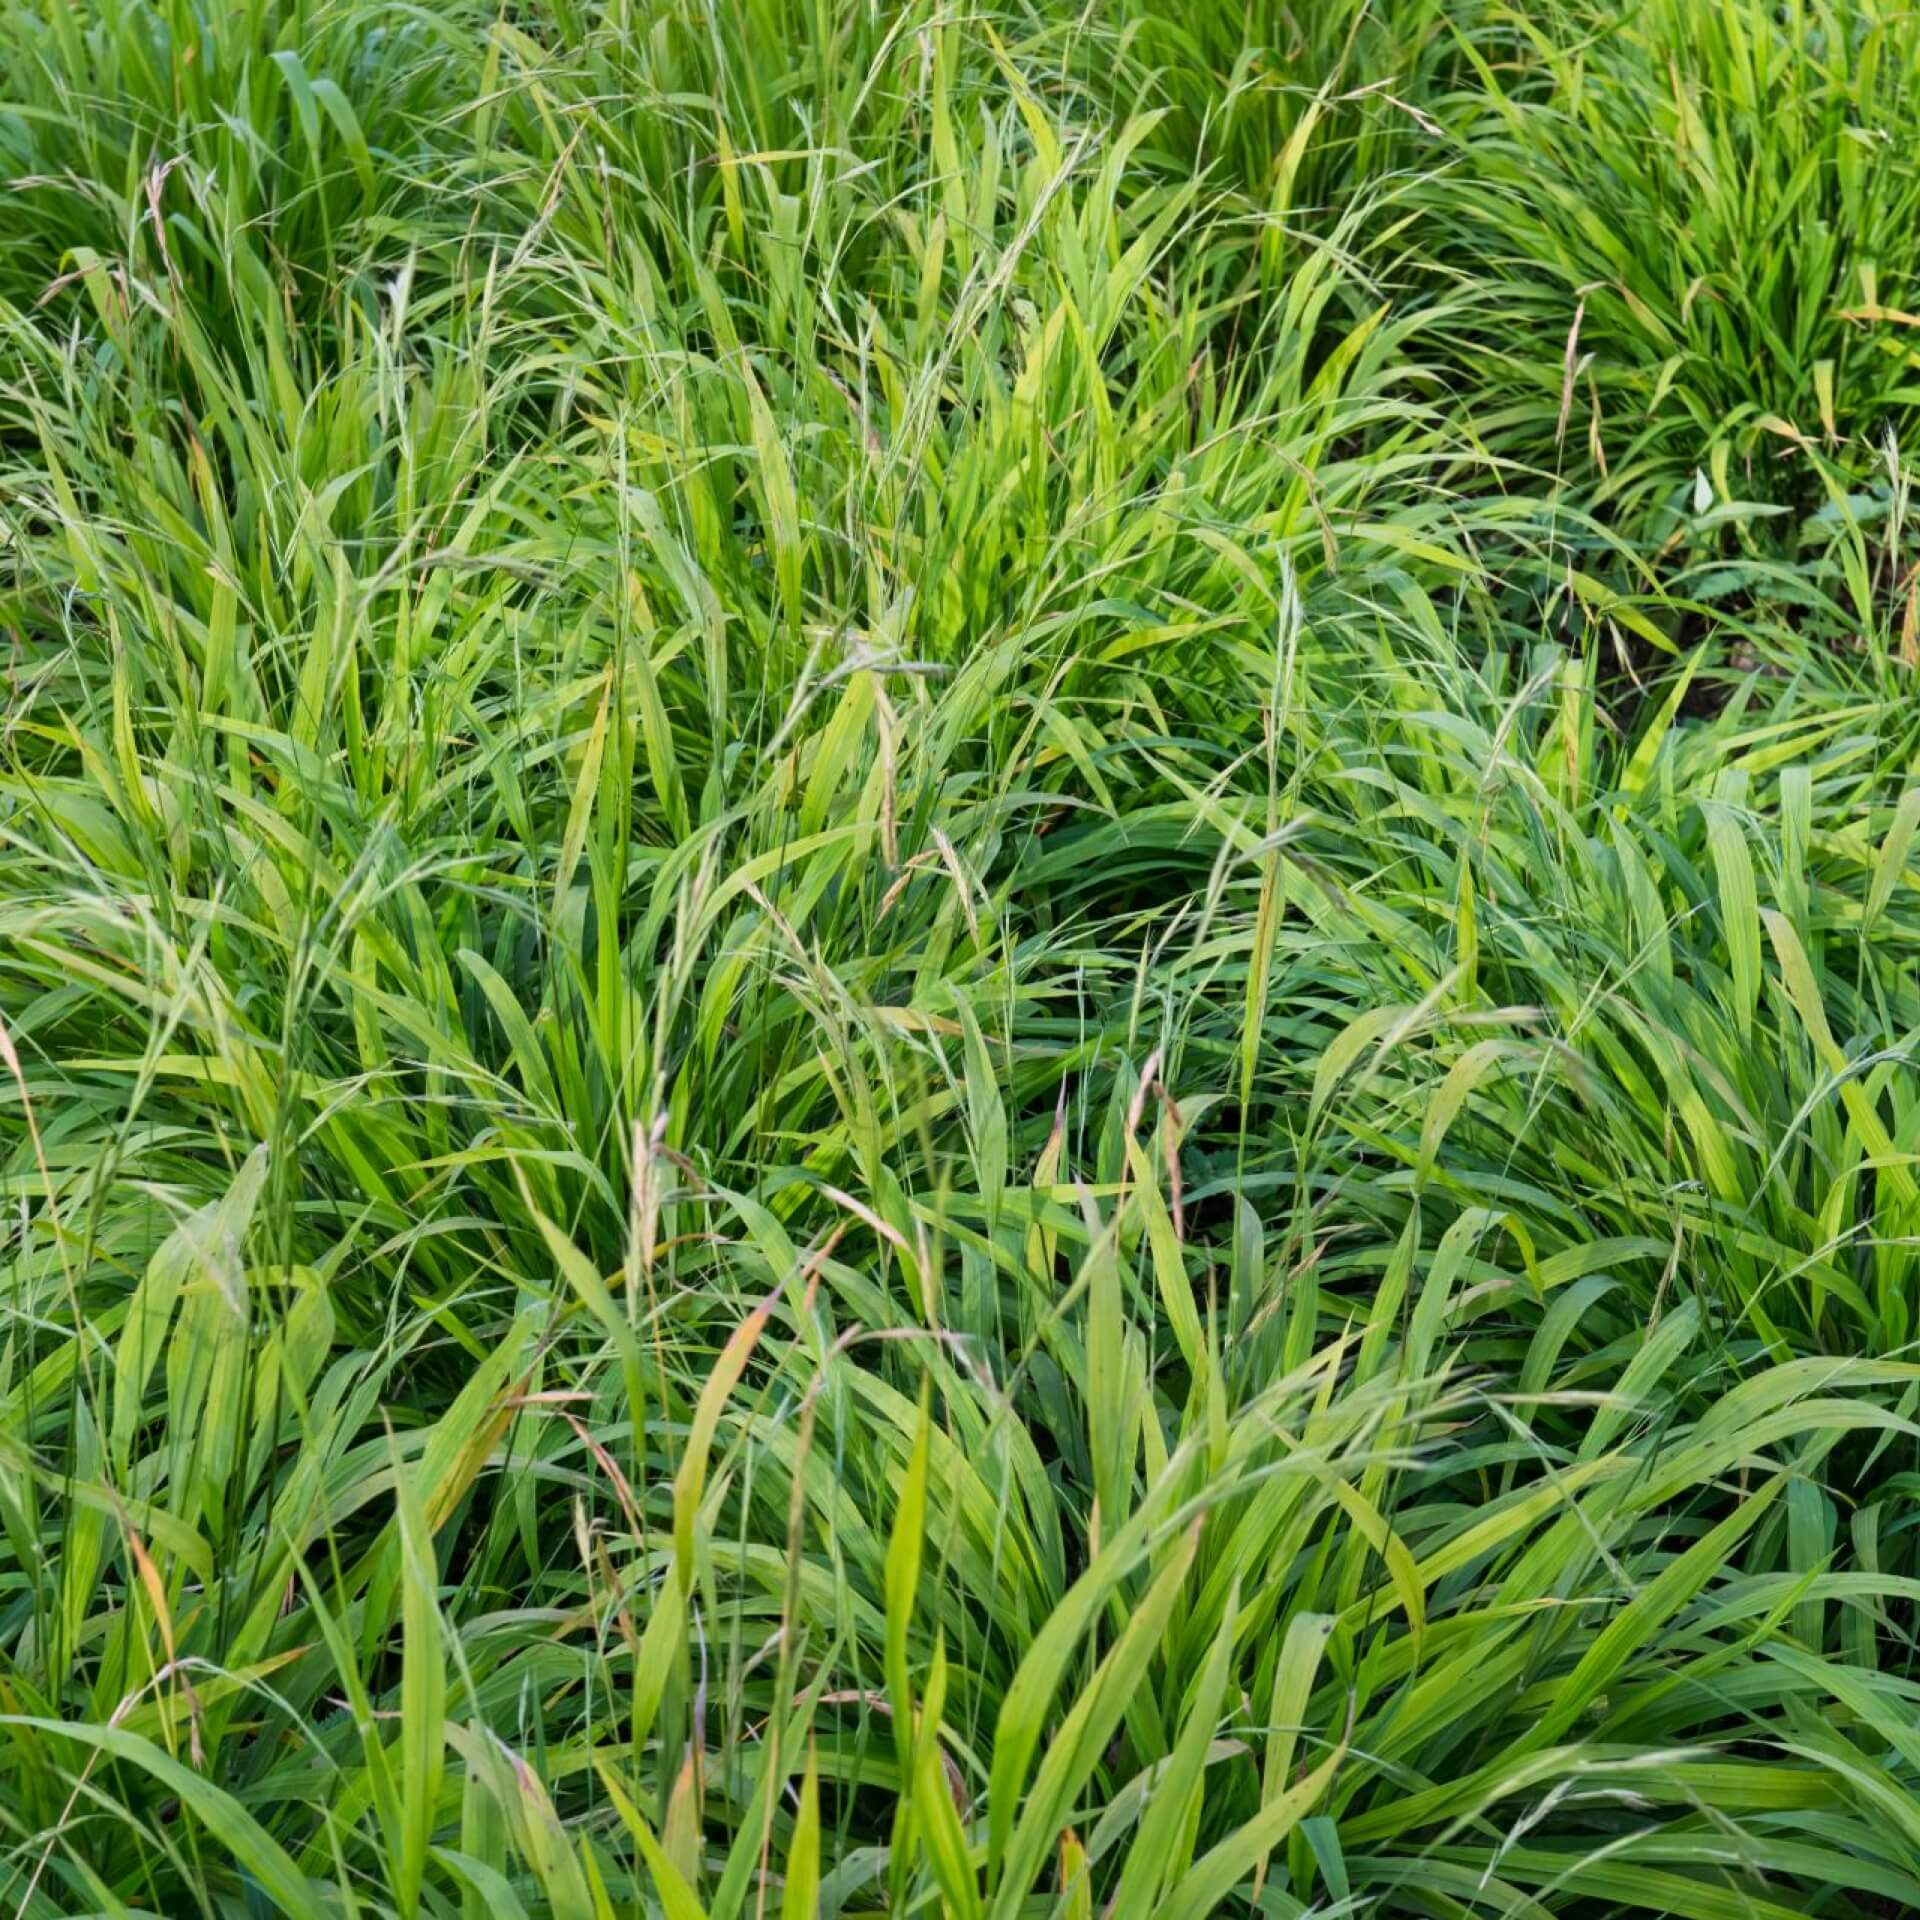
x: 1686, y: 236
x: 893, y: 1022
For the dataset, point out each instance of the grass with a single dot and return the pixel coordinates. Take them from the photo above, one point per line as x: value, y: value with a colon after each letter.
x: 958, y: 962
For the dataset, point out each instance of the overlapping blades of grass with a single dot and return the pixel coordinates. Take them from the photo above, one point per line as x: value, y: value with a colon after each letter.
x: 839, y: 1077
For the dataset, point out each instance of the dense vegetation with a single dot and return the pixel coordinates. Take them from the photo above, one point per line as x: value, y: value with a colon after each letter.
x: 959, y: 962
